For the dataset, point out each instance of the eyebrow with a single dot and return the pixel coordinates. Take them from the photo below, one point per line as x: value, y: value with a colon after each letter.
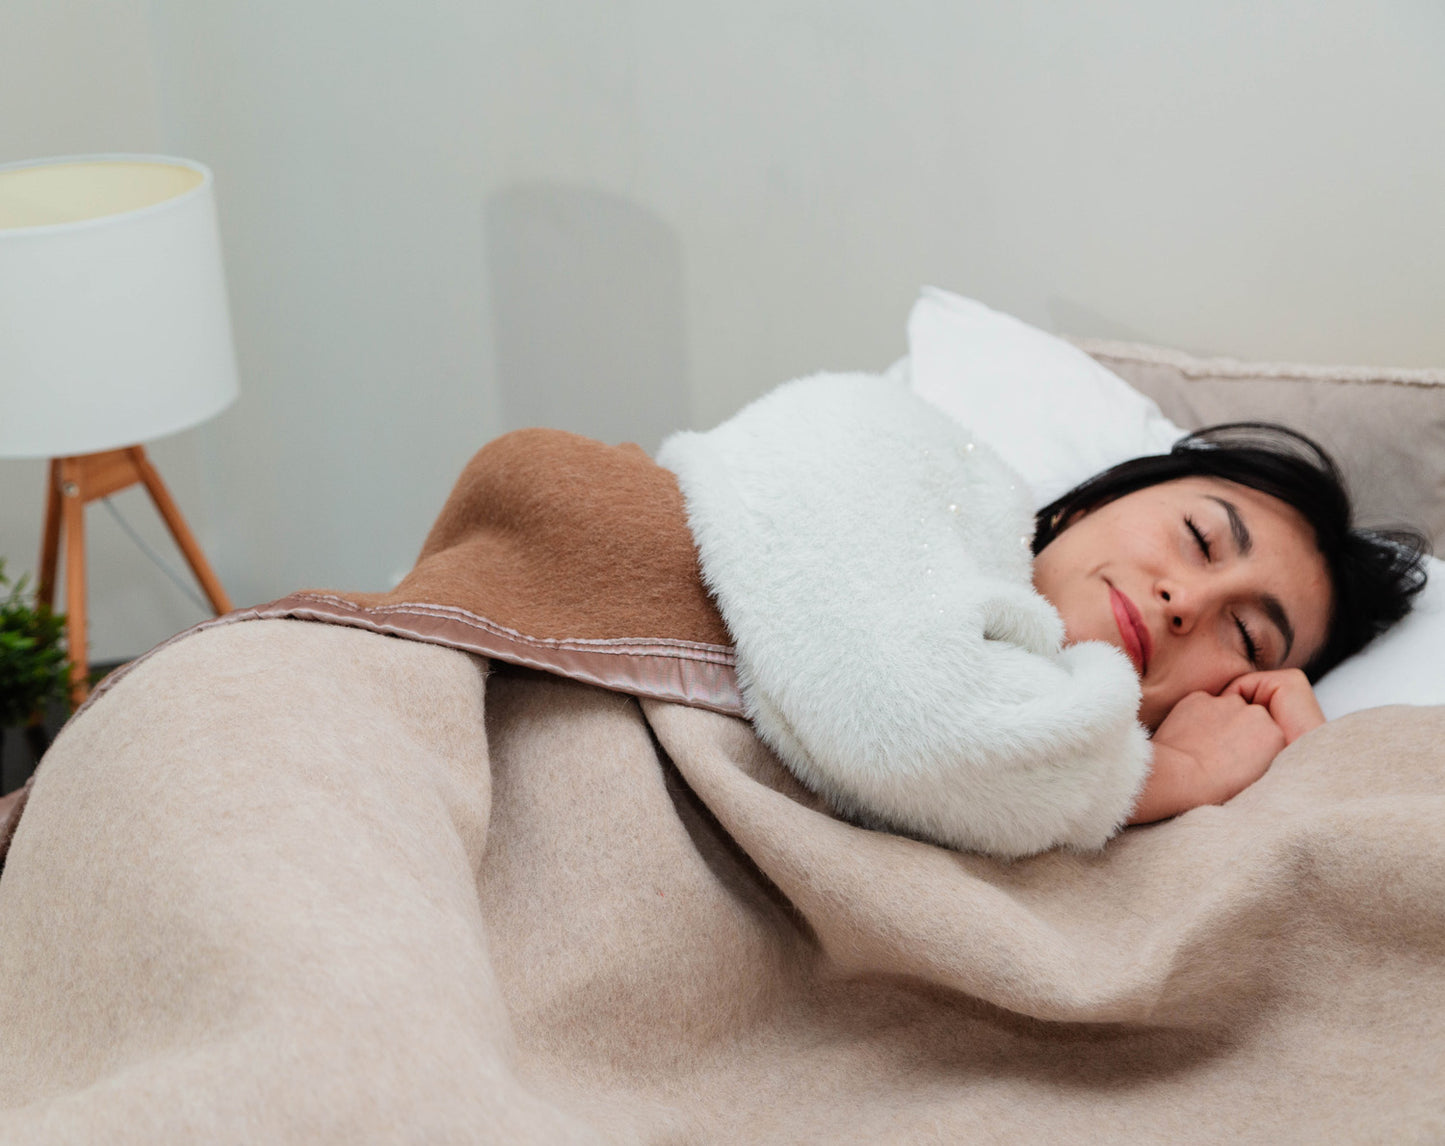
x: 1243, y: 542
x: 1275, y: 611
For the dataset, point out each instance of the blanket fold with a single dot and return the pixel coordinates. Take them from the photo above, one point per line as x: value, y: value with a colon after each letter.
x: 559, y: 553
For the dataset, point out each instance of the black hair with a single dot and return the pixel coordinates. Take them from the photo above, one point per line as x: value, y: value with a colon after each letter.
x: 1375, y: 574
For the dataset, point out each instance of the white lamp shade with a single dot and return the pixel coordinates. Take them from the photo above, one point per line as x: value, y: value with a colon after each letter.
x: 114, y: 327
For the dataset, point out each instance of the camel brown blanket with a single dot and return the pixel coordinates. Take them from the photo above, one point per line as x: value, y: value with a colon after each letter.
x: 556, y: 552
x: 301, y: 883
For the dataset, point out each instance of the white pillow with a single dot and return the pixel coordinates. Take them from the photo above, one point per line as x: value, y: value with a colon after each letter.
x: 1059, y: 417
x: 1054, y: 413
x: 1402, y: 667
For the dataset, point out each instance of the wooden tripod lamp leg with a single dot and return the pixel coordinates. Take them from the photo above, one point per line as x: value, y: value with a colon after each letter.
x: 50, y: 541
x: 168, y: 510
x: 74, y: 483
x: 72, y: 513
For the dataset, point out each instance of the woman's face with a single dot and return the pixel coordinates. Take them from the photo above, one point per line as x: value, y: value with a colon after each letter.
x: 1197, y: 580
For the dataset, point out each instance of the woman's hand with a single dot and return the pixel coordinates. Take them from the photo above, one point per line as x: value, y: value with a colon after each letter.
x: 1287, y: 694
x: 1210, y: 748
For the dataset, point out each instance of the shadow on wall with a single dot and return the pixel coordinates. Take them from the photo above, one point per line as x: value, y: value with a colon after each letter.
x: 588, y: 313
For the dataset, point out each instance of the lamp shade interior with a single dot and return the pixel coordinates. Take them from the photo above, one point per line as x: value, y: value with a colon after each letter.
x: 69, y: 192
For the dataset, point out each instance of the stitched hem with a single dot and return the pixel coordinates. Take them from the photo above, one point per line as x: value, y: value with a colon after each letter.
x: 683, y: 672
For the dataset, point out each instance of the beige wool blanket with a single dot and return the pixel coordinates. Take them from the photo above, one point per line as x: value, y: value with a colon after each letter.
x: 297, y: 883
x: 302, y: 883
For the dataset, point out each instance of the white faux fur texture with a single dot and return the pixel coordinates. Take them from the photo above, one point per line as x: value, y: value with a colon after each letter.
x: 872, y: 563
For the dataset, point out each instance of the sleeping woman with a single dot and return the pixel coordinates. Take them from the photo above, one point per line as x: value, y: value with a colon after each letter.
x: 1228, y: 572
x: 905, y: 657
x: 918, y: 646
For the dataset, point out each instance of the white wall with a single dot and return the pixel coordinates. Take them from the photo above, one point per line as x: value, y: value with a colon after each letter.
x: 445, y: 219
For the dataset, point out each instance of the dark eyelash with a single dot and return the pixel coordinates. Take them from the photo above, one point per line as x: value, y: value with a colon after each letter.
x: 1204, y: 546
x: 1251, y: 650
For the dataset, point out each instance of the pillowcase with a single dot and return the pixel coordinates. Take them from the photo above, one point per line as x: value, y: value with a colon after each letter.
x: 1059, y: 416
x: 1402, y: 667
x: 1050, y: 410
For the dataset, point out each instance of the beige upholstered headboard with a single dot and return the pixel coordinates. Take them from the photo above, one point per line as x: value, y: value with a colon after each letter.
x: 1386, y: 427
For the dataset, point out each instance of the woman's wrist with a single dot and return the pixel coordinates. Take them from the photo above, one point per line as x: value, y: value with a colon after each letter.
x: 1173, y: 786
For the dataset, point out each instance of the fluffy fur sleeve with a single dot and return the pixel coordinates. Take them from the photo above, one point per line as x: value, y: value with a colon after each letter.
x: 872, y: 563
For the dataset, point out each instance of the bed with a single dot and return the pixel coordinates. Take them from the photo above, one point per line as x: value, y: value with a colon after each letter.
x: 306, y: 882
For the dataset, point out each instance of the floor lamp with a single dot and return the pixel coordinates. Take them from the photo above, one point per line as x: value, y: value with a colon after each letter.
x: 114, y: 330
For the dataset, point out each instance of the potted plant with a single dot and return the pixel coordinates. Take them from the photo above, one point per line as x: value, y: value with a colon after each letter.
x: 34, y: 671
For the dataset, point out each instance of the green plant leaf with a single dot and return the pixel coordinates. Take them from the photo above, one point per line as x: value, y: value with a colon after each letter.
x: 34, y: 668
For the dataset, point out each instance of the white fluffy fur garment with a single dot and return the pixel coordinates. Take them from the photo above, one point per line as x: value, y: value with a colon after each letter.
x: 872, y: 563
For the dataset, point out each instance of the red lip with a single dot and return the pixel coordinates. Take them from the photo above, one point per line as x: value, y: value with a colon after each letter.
x: 1131, y: 627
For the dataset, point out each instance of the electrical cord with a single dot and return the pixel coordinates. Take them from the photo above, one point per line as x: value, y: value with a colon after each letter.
x: 155, y: 557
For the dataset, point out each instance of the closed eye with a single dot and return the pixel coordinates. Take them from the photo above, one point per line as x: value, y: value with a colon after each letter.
x: 1251, y: 650
x: 1204, y: 546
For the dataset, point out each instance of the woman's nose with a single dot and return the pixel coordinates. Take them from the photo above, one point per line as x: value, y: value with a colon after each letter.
x: 1179, y: 606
